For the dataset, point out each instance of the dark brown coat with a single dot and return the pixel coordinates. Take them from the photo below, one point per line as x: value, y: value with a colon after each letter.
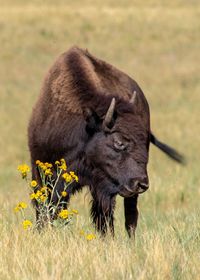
x: 69, y: 121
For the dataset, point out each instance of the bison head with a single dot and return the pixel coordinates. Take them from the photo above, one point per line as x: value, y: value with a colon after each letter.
x: 117, y: 150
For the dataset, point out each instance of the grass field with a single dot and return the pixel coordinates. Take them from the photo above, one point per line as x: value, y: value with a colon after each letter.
x: 155, y: 42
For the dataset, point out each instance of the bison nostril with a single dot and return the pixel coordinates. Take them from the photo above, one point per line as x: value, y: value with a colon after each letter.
x: 143, y: 186
x: 138, y: 185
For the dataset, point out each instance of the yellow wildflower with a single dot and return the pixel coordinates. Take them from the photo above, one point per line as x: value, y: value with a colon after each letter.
x: 81, y: 232
x: 74, y: 211
x: 42, y: 166
x: 24, y: 169
x: 32, y: 196
x: 33, y: 183
x: 64, y: 214
x: 75, y: 177
x: 63, y: 165
x: 21, y: 205
x: 48, y: 172
x: 36, y: 195
x: 67, y: 177
x: 48, y: 165
x: 26, y: 224
x: 57, y: 162
x: 43, y: 198
x: 90, y: 236
x: 16, y: 209
x: 64, y: 193
x: 44, y: 189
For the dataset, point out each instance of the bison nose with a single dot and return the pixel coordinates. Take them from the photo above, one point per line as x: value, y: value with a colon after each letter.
x: 142, y: 187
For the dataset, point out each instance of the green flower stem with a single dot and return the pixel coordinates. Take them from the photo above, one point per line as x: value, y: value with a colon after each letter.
x: 60, y: 196
x: 53, y: 188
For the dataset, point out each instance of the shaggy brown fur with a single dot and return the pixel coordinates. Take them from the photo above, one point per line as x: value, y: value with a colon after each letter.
x: 67, y: 122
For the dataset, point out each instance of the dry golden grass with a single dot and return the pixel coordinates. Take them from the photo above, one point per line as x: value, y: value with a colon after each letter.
x: 158, y: 45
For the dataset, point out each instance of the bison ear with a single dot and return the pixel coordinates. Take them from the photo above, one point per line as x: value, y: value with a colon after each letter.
x: 93, y: 121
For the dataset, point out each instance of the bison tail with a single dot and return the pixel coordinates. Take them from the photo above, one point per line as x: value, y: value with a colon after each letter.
x: 172, y: 153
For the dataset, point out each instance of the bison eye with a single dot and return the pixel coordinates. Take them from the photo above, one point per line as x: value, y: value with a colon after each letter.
x: 119, y: 146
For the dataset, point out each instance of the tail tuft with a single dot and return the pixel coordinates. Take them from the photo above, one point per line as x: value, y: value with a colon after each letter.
x: 172, y: 153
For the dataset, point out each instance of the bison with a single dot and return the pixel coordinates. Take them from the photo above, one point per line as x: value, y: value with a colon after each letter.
x: 96, y: 118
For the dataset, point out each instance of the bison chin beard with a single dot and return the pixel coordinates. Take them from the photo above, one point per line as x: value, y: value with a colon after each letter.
x: 102, y: 212
x: 103, y: 204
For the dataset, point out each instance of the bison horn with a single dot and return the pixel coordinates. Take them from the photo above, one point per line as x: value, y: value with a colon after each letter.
x: 109, y: 114
x: 133, y: 97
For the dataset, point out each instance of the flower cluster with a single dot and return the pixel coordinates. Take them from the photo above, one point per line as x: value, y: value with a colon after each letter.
x: 40, y: 195
x: 20, y: 206
x: 64, y: 213
x: 45, y: 167
x: 23, y: 169
x: 69, y: 177
x: 45, y: 189
x: 88, y: 236
x: 27, y: 224
x: 61, y: 164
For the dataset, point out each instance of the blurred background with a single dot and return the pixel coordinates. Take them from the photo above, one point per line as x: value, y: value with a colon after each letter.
x: 156, y: 42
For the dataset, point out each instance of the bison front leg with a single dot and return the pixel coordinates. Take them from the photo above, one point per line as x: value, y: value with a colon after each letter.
x: 131, y: 214
x: 102, y: 212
